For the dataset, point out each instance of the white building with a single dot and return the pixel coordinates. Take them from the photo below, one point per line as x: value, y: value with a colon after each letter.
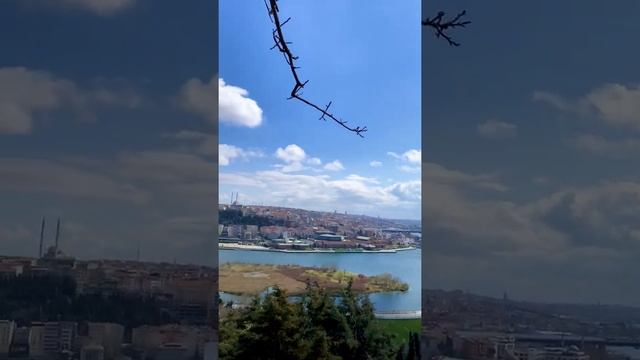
x: 36, y: 339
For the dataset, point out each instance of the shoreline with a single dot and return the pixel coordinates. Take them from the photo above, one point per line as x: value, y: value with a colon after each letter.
x: 232, y: 246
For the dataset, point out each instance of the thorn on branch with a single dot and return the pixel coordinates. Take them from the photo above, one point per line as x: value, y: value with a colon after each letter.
x: 441, y: 26
x: 283, y: 46
x: 325, y: 111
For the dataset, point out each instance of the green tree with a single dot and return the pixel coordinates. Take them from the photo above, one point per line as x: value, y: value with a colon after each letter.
x: 315, y: 327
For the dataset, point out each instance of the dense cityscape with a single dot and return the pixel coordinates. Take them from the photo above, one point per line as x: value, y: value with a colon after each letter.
x: 57, y: 307
x: 254, y: 227
x: 457, y: 324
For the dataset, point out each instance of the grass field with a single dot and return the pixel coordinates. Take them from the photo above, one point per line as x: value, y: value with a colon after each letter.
x: 401, y: 328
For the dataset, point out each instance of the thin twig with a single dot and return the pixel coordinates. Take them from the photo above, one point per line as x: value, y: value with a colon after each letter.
x: 441, y: 25
x: 283, y: 46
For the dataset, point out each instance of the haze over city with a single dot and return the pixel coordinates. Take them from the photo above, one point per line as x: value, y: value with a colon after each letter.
x: 107, y: 121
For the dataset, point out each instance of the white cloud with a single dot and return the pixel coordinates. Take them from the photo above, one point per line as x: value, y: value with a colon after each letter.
x: 412, y: 156
x: 615, y: 104
x: 335, y: 165
x: 362, y: 194
x: 25, y: 93
x: 552, y: 99
x: 314, y: 161
x: 375, y: 163
x: 236, y: 108
x: 233, y: 105
x: 407, y: 191
x: 497, y: 129
x: 100, y: 7
x: 291, y: 154
x: 229, y: 152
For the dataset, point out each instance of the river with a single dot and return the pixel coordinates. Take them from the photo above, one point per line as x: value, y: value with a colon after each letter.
x: 405, y: 265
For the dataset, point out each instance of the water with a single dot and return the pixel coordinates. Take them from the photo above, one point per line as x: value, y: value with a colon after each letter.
x: 404, y: 265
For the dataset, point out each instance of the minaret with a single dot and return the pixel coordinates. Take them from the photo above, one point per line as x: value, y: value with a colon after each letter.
x: 138, y: 252
x: 41, y: 238
x: 57, y: 238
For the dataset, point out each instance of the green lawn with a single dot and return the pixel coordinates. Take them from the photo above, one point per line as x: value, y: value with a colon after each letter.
x: 401, y: 328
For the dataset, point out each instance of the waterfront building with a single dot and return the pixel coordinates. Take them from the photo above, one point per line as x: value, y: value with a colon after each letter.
x: 329, y: 237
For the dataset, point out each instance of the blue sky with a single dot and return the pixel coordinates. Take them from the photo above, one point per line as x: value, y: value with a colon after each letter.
x: 531, y: 145
x: 105, y: 121
x: 366, y: 60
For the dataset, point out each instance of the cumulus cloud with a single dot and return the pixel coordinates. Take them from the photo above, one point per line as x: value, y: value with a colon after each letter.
x: 615, y: 104
x: 375, y: 163
x: 25, y: 94
x: 233, y: 106
x: 495, y: 129
x: 230, y: 152
x: 411, y: 160
x: 412, y: 156
x: 603, y: 216
x: 236, y: 108
x: 291, y: 154
x: 314, y: 161
x: 294, y: 158
x: 335, y: 165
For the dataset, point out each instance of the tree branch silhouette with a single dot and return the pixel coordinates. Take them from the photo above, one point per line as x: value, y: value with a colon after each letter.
x: 441, y: 26
x: 283, y: 46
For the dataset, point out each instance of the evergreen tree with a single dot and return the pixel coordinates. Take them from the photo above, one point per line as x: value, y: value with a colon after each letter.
x: 316, y: 327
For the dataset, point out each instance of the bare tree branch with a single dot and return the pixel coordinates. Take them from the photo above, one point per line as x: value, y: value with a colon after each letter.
x: 441, y: 26
x: 283, y: 46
